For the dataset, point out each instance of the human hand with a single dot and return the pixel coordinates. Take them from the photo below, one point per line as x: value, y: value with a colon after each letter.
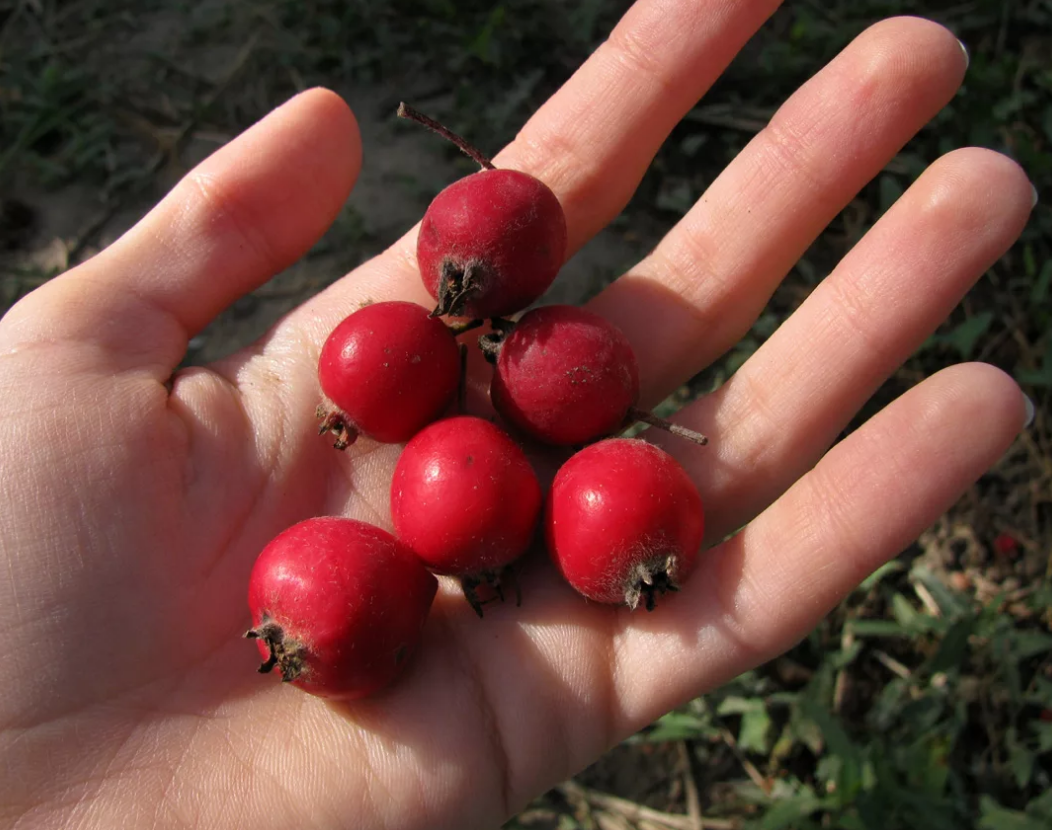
x: 134, y: 503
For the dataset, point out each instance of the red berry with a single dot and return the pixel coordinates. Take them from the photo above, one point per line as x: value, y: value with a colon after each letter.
x: 565, y: 376
x: 388, y: 369
x: 491, y: 243
x: 338, y: 606
x: 466, y: 500
x: 1006, y: 545
x: 624, y: 522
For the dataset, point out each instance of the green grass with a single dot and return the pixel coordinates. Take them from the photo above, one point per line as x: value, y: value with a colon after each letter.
x: 925, y: 700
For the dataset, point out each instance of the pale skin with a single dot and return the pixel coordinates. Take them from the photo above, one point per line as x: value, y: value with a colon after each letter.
x: 133, y: 504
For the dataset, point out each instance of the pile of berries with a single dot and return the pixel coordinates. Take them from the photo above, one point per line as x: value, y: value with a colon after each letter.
x: 338, y: 605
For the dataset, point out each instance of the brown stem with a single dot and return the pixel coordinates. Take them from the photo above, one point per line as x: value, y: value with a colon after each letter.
x: 649, y: 580
x: 502, y: 325
x: 406, y: 111
x: 460, y: 284
x: 271, y: 661
x: 335, y: 422
x: 668, y: 426
x: 468, y: 585
x: 284, y: 654
x: 491, y: 343
x: 491, y: 579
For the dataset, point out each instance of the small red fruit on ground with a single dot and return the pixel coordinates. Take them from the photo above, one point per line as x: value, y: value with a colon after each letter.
x: 465, y: 499
x: 338, y: 606
x: 491, y: 243
x: 565, y: 376
x: 624, y: 522
x: 1006, y: 545
x: 388, y: 369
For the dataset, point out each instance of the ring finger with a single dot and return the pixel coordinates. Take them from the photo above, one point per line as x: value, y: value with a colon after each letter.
x: 786, y: 405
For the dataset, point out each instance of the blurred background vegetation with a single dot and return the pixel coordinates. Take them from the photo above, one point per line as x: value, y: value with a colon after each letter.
x: 925, y: 700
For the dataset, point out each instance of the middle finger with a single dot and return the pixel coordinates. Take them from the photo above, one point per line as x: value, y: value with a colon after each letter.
x: 701, y: 289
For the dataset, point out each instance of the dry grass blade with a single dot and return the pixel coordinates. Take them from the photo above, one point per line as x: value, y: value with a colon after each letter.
x: 747, y: 765
x: 892, y: 665
x: 843, y: 678
x: 929, y: 601
x: 690, y: 787
x: 633, y: 812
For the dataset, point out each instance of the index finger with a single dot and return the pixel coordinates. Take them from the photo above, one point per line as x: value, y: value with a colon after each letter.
x: 592, y: 142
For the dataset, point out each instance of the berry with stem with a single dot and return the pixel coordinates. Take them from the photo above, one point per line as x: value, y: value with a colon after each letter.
x: 387, y: 370
x: 338, y: 606
x: 465, y: 499
x: 624, y: 522
x: 567, y: 376
x: 491, y: 243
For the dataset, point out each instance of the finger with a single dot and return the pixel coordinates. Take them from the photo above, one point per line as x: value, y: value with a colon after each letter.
x: 594, y: 139
x: 775, y: 417
x: 869, y: 497
x: 704, y: 285
x: 250, y: 210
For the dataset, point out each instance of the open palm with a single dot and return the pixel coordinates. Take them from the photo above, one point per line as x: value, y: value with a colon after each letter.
x: 134, y: 502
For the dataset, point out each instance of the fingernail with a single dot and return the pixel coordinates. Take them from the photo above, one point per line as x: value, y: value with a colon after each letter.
x: 1030, y: 411
x: 967, y: 57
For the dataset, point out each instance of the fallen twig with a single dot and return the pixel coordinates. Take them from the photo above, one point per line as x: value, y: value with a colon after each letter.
x: 637, y: 812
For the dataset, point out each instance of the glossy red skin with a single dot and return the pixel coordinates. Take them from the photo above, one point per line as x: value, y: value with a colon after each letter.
x: 351, y: 594
x: 508, y: 220
x: 565, y: 376
x: 615, y: 504
x: 464, y: 497
x: 390, y: 369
